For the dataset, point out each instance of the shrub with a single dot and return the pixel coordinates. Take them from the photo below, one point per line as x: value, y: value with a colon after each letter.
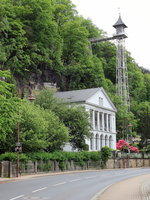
x: 61, y: 157
x: 123, y: 145
x: 148, y: 148
x: 8, y: 156
x: 13, y: 156
x: 105, y: 154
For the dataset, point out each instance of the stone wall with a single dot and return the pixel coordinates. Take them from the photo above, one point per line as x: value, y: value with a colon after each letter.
x: 127, y: 163
x: 8, y: 169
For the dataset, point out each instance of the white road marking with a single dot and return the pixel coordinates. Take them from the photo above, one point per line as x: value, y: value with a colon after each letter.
x: 39, y: 189
x: 75, y: 180
x: 17, y: 197
x: 97, y: 196
x: 59, y: 183
x: 90, y: 177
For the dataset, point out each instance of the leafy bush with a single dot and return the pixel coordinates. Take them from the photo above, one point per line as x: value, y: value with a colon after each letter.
x: 62, y: 165
x: 148, y: 148
x: 59, y: 156
x: 8, y: 156
x: 13, y: 156
x: 39, y: 156
x: 105, y: 153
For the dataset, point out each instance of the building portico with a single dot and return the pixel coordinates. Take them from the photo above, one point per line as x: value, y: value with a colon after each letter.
x: 103, y: 124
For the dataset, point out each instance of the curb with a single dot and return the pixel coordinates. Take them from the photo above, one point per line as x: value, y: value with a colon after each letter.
x: 97, y: 196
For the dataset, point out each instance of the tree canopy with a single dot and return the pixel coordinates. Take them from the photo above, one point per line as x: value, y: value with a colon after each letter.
x: 47, y: 41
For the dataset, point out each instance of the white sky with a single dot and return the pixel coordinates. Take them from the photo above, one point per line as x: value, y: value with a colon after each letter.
x: 134, y: 13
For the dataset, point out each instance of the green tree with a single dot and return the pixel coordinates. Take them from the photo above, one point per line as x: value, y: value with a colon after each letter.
x: 41, y: 130
x: 58, y: 132
x: 73, y: 117
x: 8, y: 112
x: 147, y: 85
x: 137, y: 86
x: 75, y: 42
x: 64, y: 11
x: 5, y: 87
x: 123, y: 119
x: 93, y: 30
x: 143, y: 115
x: 106, y: 52
x: 76, y: 119
x: 89, y: 74
x: 29, y: 36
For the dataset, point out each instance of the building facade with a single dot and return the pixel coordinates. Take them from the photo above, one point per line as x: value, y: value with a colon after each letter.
x: 102, y: 114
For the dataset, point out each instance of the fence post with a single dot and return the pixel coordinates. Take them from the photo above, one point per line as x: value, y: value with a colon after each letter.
x: 0, y: 169
x: 10, y: 169
x: 35, y: 167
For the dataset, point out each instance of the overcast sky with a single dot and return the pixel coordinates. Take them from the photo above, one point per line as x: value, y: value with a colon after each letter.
x: 135, y: 14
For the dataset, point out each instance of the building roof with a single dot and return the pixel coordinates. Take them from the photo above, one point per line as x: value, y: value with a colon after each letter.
x: 77, y: 95
x: 119, y: 23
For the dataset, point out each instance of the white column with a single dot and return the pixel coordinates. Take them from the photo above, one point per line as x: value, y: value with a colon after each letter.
x: 107, y: 122
x: 97, y: 142
x: 114, y: 124
x: 91, y: 145
x: 93, y: 121
x: 98, y: 127
x: 99, y: 146
x: 103, y: 141
x: 94, y: 142
x: 102, y: 121
x: 107, y: 141
x: 111, y: 123
x: 114, y: 142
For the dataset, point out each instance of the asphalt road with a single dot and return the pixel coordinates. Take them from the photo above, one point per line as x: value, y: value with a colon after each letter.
x: 73, y: 186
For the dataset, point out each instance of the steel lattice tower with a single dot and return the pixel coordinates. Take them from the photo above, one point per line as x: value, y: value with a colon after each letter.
x: 122, y: 87
x: 121, y: 65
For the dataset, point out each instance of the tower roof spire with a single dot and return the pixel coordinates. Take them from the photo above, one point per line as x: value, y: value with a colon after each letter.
x: 119, y: 23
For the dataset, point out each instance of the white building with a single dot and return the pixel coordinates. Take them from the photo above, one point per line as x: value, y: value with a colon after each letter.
x: 102, y: 115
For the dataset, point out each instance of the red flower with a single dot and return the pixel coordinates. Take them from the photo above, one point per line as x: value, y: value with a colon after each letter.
x: 122, y: 144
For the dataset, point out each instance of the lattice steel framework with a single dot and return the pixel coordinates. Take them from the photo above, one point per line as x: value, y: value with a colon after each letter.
x: 122, y: 88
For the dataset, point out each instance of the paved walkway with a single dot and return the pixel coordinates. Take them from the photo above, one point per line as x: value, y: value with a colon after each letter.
x: 137, y: 188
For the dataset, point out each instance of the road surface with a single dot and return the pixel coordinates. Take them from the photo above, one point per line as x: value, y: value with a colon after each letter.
x: 72, y: 186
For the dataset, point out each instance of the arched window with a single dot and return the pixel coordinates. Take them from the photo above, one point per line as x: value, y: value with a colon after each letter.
x: 91, y: 144
x: 110, y: 141
x: 97, y: 141
x: 106, y: 140
x: 101, y: 141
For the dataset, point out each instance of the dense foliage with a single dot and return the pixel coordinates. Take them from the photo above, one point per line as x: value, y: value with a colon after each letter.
x: 8, y: 112
x: 47, y: 41
x: 59, y: 156
x: 41, y: 129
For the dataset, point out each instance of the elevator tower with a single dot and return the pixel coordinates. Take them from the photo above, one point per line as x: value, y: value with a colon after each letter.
x: 122, y: 86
